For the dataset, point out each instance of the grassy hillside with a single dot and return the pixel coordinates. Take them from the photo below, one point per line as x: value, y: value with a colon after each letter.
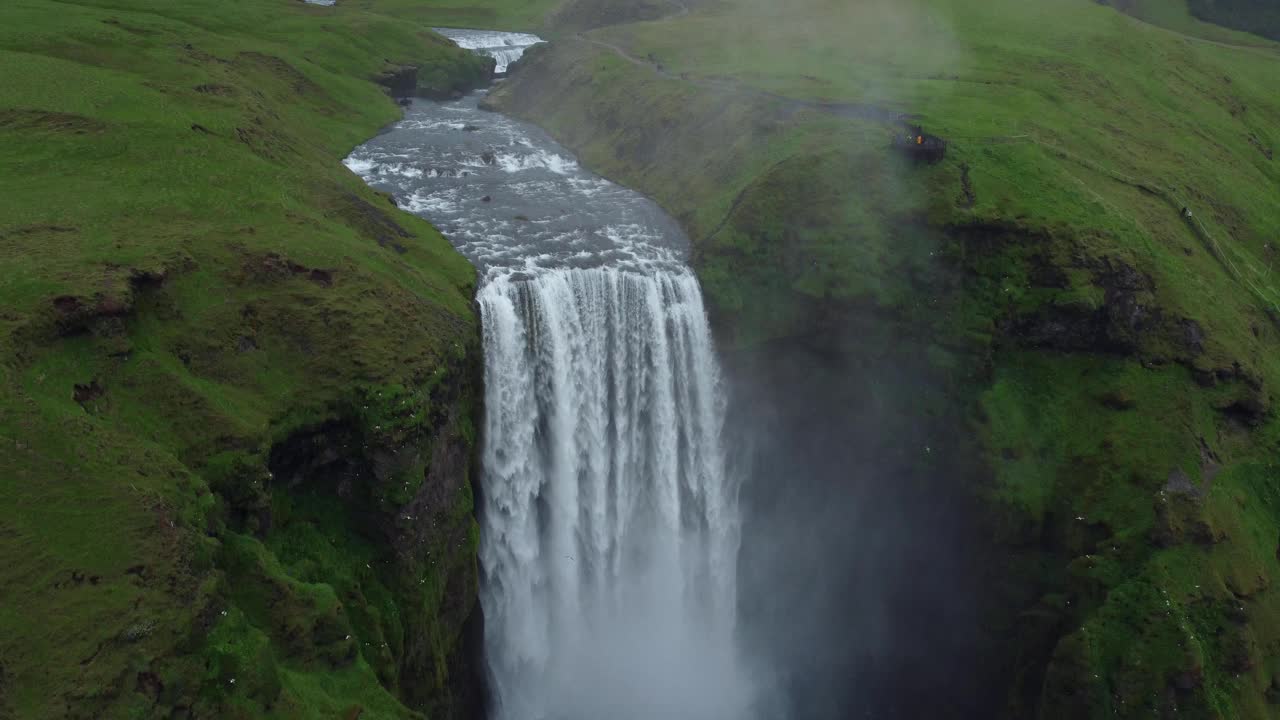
x: 237, y: 387
x: 514, y: 15
x: 1114, y: 359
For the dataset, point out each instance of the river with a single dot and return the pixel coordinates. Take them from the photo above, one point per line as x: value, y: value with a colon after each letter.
x: 609, y: 524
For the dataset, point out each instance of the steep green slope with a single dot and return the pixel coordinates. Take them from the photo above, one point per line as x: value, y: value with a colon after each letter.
x: 237, y: 388
x: 1113, y: 358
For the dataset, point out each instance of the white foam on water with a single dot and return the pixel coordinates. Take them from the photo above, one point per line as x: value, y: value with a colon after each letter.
x: 610, y: 525
x: 399, y: 170
x: 361, y: 166
x: 554, y: 162
x: 440, y: 202
x: 590, y: 186
x: 505, y: 48
x: 431, y: 124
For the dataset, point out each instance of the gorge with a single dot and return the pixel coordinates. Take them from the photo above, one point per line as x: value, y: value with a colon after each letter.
x: 654, y: 379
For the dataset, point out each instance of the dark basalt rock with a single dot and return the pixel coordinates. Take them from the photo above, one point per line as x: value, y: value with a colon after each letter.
x: 88, y: 392
x: 400, y: 80
x: 1128, y: 322
x: 1250, y: 410
x: 1192, y: 336
x: 1117, y: 327
x: 366, y: 467
x: 371, y: 221
x: 1180, y: 515
x: 104, y: 311
x: 920, y: 146
x: 1117, y: 400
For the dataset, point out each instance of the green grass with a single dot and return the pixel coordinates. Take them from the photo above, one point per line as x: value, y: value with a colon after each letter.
x: 180, y: 241
x: 513, y: 15
x: 1048, y: 130
x: 1098, y: 340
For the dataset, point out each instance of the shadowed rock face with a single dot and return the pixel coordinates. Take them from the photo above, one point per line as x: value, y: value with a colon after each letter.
x: 1261, y: 17
x: 399, y: 80
x: 862, y: 563
x: 364, y: 472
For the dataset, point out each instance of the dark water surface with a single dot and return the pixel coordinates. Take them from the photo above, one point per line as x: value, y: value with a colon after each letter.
x: 508, y: 196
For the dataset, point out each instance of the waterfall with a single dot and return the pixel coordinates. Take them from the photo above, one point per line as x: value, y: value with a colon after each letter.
x: 609, y: 525
x: 610, y: 528
x: 503, y: 47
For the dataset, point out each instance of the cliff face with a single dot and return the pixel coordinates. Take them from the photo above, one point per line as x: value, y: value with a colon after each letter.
x: 238, y: 389
x: 1014, y: 406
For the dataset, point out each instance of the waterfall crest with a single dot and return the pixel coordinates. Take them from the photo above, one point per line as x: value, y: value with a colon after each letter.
x: 503, y: 47
x: 610, y: 526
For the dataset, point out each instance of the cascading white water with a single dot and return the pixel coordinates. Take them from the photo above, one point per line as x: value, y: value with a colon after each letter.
x: 503, y: 47
x: 610, y: 527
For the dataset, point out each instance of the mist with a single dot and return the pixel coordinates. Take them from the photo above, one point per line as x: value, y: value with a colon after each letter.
x: 647, y: 653
x: 861, y: 559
